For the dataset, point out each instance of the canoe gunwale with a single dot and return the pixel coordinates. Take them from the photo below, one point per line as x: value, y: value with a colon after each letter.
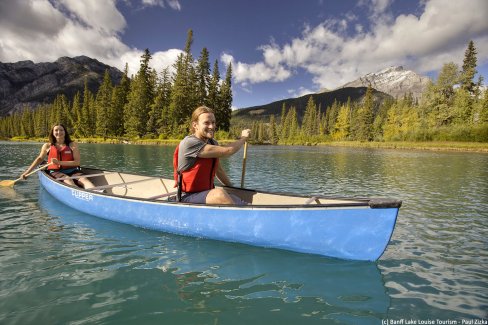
x: 373, y: 203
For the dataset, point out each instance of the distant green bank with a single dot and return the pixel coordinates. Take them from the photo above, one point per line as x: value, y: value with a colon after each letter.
x: 428, y: 145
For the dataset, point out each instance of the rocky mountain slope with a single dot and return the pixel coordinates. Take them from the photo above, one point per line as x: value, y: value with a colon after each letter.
x: 26, y: 83
x: 395, y: 81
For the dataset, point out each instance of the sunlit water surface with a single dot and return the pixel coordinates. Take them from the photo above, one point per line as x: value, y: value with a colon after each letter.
x: 60, y: 266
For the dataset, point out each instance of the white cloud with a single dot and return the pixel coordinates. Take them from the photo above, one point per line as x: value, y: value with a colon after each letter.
x: 301, y: 91
x: 174, y: 4
x: 257, y: 72
x: 424, y: 43
x: 43, y: 30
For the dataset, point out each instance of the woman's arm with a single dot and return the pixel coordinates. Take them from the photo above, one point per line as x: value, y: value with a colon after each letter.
x: 38, y: 160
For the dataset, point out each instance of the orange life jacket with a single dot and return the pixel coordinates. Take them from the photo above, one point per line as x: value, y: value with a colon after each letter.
x: 65, y: 154
x: 197, y: 178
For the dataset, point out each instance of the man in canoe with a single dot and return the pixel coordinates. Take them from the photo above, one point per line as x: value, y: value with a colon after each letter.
x: 196, y: 162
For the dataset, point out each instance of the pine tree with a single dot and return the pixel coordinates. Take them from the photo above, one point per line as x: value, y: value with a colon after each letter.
x: 365, y: 117
x: 331, y: 116
x: 119, y: 100
x: 85, y: 120
x: 469, y: 69
x: 183, y: 93
x: 103, y: 104
x: 273, y: 134
x: 309, y: 119
x: 293, y: 126
x: 163, y: 100
x: 213, y: 99
x: 203, y: 76
x: 140, y: 98
x: 282, y: 129
x: 76, y: 114
x: 225, y: 100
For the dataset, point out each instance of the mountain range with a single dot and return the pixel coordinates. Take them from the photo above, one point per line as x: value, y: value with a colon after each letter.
x: 395, y: 81
x: 26, y: 83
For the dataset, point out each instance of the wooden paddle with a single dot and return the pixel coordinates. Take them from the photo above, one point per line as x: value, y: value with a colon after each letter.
x: 10, y: 183
x: 244, y: 164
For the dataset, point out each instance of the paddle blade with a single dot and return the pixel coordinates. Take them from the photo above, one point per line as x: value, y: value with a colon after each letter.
x: 7, y: 183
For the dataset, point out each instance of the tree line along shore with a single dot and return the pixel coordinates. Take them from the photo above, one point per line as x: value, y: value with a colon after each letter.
x: 452, y: 113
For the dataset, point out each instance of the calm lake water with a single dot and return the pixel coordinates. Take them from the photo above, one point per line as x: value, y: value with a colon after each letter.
x: 59, y: 266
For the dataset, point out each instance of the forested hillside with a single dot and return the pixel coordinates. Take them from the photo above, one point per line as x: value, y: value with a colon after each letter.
x: 150, y: 105
x: 158, y: 106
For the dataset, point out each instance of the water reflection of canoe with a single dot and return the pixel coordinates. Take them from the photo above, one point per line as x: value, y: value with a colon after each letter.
x: 348, y: 290
x: 356, y: 229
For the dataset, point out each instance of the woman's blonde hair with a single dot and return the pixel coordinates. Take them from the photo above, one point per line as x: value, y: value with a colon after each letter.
x: 196, y: 114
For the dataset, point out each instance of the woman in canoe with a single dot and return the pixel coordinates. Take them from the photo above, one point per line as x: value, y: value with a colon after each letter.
x: 196, y: 162
x: 63, y: 156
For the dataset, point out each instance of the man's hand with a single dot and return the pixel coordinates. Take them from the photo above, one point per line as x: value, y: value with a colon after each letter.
x: 246, y: 134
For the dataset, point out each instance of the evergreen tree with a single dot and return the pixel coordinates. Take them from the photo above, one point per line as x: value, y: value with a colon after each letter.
x: 365, y: 117
x: 309, y: 119
x: 119, y: 100
x: 282, y: 129
x: 140, y: 98
x: 273, y: 133
x: 213, y: 99
x: 292, y: 124
x: 162, y: 100
x: 438, y: 98
x: 225, y: 112
x: 203, y: 76
x: 331, y: 116
x: 85, y: 120
x: 103, y: 104
x: 469, y: 69
x: 76, y: 114
x: 183, y: 93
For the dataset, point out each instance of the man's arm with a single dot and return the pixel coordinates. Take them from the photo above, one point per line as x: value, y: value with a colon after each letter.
x: 212, y: 151
x: 222, y: 176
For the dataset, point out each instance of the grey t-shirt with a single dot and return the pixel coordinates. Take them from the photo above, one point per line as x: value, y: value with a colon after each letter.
x: 188, y: 151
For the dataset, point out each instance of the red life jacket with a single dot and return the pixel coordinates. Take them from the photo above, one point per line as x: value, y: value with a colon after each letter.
x: 197, y: 178
x: 65, y: 154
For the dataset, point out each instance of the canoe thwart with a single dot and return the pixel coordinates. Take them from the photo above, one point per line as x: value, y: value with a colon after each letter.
x: 103, y: 187
x: 85, y: 175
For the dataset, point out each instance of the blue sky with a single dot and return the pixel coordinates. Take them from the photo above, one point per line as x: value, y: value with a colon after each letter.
x: 278, y: 48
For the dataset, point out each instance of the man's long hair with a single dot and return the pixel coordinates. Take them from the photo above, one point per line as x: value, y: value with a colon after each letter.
x: 196, y: 113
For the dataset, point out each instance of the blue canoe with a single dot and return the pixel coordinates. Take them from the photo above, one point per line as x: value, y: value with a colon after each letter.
x: 346, y: 228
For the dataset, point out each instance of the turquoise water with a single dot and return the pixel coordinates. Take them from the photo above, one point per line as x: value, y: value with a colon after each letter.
x: 59, y: 266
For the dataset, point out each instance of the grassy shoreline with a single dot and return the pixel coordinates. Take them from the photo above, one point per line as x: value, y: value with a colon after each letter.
x: 432, y: 145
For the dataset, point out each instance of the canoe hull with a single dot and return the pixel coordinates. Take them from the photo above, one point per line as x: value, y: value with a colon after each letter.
x: 356, y: 233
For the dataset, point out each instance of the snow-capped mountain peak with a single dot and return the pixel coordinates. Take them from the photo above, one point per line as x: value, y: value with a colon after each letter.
x: 395, y: 81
